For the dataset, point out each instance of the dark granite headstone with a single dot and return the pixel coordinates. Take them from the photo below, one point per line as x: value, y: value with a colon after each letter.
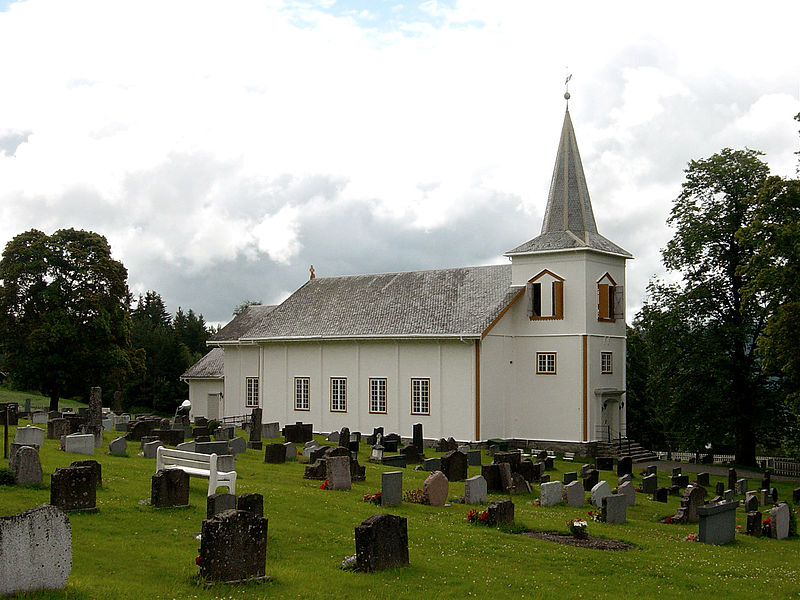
x: 703, y: 479
x: 198, y: 432
x: 411, y: 453
x: 526, y: 469
x: 318, y: 453
x: 604, y: 463
x: 394, y: 460
x: 624, y: 466
x: 661, y: 494
x: 680, y: 480
x: 512, y: 458
x: 545, y: 478
x: 474, y: 458
x: 170, y: 437
x: 381, y: 543
x: 73, y: 488
x: 391, y: 442
x: 233, y: 547
x: 169, y: 487
x: 357, y: 471
x: 765, y: 482
x: 254, y: 441
x: 139, y: 429
x: 754, y: 523
x: 591, y: 479
x: 677, y: 471
x: 417, y: 437
x: 501, y: 511
x: 216, y: 447
x: 217, y: 503
x: 56, y: 428
x: 732, y: 479
x: 651, y: 470
x: 491, y: 473
x: 344, y: 437
x: 570, y: 476
x: 751, y: 503
x: 275, y: 454
x: 549, y: 463
x: 720, y: 488
x: 97, y: 470
x: 251, y: 502
x: 454, y: 465
x: 299, y: 433
x: 796, y: 495
x: 316, y: 470
x: 200, y: 422
x: 773, y: 492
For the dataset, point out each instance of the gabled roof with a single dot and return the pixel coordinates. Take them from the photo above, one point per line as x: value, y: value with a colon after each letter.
x: 568, y: 220
x: 211, y: 366
x: 242, y: 323
x: 460, y: 302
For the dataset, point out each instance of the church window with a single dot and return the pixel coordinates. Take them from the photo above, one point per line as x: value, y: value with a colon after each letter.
x: 377, y: 395
x: 610, y: 302
x: 546, y: 363
x: 606, y: 363
x: 546, y: 296
x: 338, y: 394
x: 301, y: 393
x: 252, y: 392
x: 420, y: 396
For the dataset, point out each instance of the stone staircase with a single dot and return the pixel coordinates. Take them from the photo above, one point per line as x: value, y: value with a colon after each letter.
x: 625, y: 447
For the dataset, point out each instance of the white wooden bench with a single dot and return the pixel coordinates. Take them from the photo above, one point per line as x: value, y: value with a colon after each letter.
x: 570, y: 456
x: 195, y: 463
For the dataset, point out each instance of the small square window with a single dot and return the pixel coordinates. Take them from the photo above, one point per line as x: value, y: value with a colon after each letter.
x: 606, y: 362
x: 252, y: 392
x: 546, y: 363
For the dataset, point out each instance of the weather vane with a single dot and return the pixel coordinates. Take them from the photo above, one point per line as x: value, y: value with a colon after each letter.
x: 566, y: 89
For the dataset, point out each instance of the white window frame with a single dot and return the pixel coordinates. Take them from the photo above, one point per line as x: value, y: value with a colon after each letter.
x: 251, y: 392
x: 606, y: 363
x: 546, y: 363
x: 302, y: 393
x: 338, y: 394
x: 377, y: 395
x: 420, y: 396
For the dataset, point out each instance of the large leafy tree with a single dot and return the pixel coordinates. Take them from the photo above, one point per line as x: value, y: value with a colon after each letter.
x: 64, y: 322
x: 704, y: 331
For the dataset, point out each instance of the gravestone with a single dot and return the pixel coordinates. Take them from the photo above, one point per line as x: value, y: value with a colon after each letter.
x: 391, y: 488
x: 519, y: 485
x: 536, y: 471
x: 217, y: 447
x: 238, y: 445
x: 137, y: 429
x: 728, y: 495
x: 764, y: 498
x: 500, y: 511
x: 57, y: 428
x: 570, y: 476
x: 147, y: 439
x: 741, y: 487
x: 719, y: 488
x: 693, y: 498
x: 474, y: 458
x: 585, y: 468
x: 29, y: 436
x: 35, y: 550
x: 395, y: 460
x: 187, y: 446
x: 591, y: 479
x: 299, y: 433
x: 118, y: 447
x: 491, y: 473
x: 411, y: 453
x: 270, y: 431
x: 432, y: 464
x: 291, y: 451
x: 661, y: 494
x: 624, y: 466
x: 512, y: 458
x: 72, y: 488
x: 731, y: 479
x: 27, y: 468
x: 574, y: 493
x: 117, y: 404
x: 338, y: 472
x: 649, y: 484
x: 200, y: 422
x: 216, y: 503
x: 599, y: 491
x: 765, y: 482
x: 381, y: 543
x: 151, y: 448
x: 224, y: 433
x: 550, y: 493
x: 254, y: 441
x: 95, y: 415
x: 718, y: 522
x: 39, y: 418
x: 376, y: 454
x: 357, y: 472
x: 391, y: 442
x: 506, y: 481
x: 170, y: 437
x: 417, y: 437
x: 344, y: 437
x: 454, y: 466
x: 796, y: 496
x: 233, y: 547
x: 627, y: 491
x: 751, y: 502
x: 753, y: 523
x: 604, y: 463
x: 624, y: 479
x: 614, y: 509
x: 435, y: 489
x: 676, y: 471
x: 779, y: 515
x: 545, y: 478
x: 773, y: 493
x: 680, y: 481
x: 169, y: 487
x: 274, y: 454
x: 475, y: 490
x: 79, y: 443
x: 251, y: 502
x: 549, y: 463
x: 200, y: 432
x: 316, y: 470
x: 97, y: 470
x: 703, y: 479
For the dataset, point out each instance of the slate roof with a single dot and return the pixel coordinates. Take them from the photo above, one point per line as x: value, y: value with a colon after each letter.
x: 211, y: 366
x: 242, y: 323
x: 440, y: 303
x: 568, y: 219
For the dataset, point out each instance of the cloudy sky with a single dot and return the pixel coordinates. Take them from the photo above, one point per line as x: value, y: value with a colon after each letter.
x: 223, y: 147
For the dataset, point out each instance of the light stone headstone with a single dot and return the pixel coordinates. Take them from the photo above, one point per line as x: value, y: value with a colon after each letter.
x: 270, y: 430
x: 39, y: 418
x: 506, y: 481
x: 27, y: 467
x: 186, y: 446
x: 79, y: 443
x: 628, y: 492
x: 780, y: 521
x: 550, y: 493
x: 464, y: 449
x: 29, y: 436
x: 600, y: 491
x: 751, y: 502
x: 574, y: 493
x: 717, y: 522
x: 35, y: 550
x: 624, y: 478
x: 291, y: 451
x: 474, y: 458
x: 391, y: 488
x: 237, y: 445
x: 436, y: 488
x: 475, y: 490
x: 118, y: 447
x: 614, y: 508
x: 649, y: 484
x: 151, y: 448
x: 337, y: 472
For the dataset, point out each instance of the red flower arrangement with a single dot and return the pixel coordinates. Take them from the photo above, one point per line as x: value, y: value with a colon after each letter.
x: 374, y: 498
x: 324, y: 485
x: 475, y: 516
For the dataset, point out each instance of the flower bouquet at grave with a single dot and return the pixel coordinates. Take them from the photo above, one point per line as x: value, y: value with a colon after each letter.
x: 477, y: 517
x: 692, y: 537
x: 595, y: 516
x: 766, y: 527
x: 349, y: 563
x: 414, y: 496
x: 577, y: 527
x: 374, y: 498
x: 324, y: 485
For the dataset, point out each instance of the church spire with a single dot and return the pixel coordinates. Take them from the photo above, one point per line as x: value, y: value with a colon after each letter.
x: 569, y: 207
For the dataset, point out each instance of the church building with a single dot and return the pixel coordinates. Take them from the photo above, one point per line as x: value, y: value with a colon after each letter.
x: 531, y: 350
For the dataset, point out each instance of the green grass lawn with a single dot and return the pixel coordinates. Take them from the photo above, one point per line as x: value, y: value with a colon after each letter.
x: 130, y: 550
x: 37, y: 400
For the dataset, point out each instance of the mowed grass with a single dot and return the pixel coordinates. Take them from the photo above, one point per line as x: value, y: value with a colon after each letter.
x: 37, y: 400
x: 130, y: 550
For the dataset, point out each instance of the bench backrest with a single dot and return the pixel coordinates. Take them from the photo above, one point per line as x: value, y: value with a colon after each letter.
x: 182, y: 458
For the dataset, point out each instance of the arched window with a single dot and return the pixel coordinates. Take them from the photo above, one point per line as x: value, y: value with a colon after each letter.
x: 546, y: 296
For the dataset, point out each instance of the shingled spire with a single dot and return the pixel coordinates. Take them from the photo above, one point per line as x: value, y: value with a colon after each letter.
x: 568, y: 219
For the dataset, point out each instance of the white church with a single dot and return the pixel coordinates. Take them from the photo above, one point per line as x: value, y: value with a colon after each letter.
x: 532, y: 350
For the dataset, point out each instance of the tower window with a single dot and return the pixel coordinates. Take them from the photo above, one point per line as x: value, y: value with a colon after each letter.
x: 546, y: 296
x: 606, y: 363
x: 546, y: 363
x: 610, y: 303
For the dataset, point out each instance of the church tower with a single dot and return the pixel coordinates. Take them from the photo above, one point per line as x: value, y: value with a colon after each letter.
x: 568, y: 343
